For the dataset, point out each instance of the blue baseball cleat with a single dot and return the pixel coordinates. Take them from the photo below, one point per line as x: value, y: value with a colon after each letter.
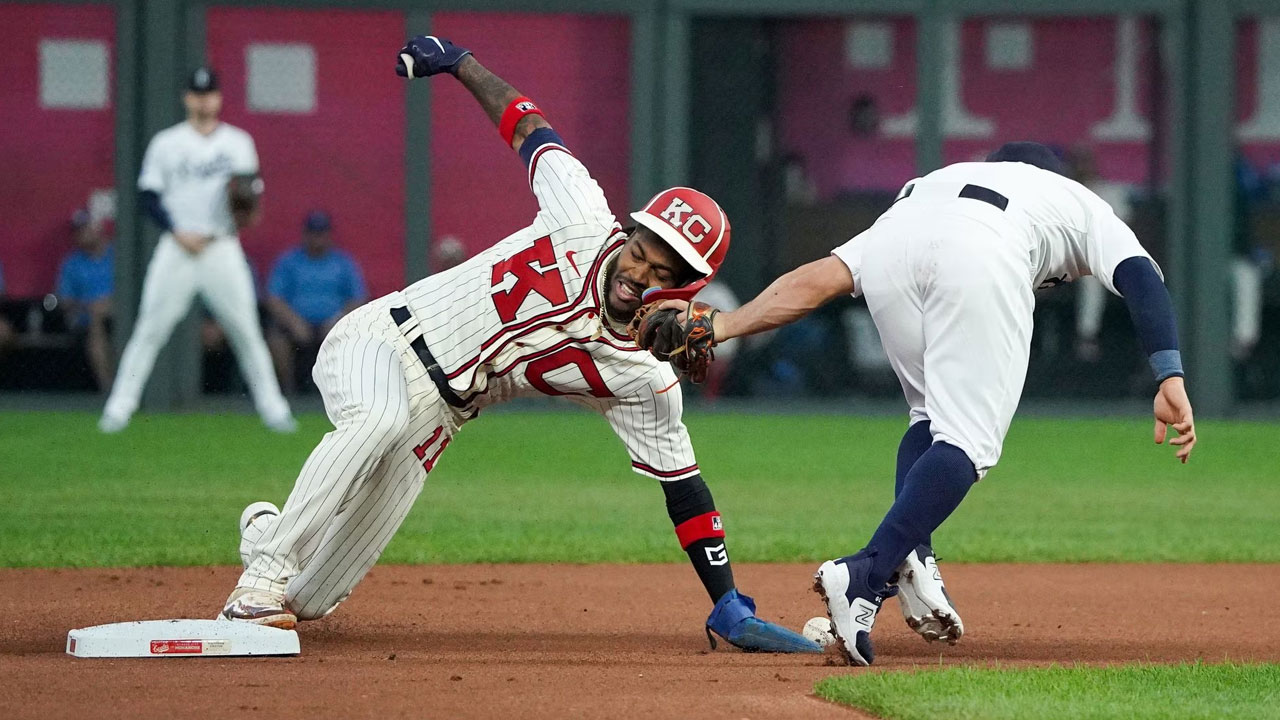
x: 734, y: 619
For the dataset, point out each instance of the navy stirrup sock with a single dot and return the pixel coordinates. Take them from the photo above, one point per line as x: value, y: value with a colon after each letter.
x: 915, y: 441
x: 931, y: 491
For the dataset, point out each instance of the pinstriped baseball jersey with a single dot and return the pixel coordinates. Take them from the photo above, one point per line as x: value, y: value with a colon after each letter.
x: 525, y: 317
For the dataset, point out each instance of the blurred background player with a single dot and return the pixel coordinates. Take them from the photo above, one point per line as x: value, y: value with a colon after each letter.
x: 183, y: 187
x: 311, y: 287
x: 85, y: 284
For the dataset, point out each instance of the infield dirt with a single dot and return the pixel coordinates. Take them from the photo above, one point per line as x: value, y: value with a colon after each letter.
x: 554, y: 641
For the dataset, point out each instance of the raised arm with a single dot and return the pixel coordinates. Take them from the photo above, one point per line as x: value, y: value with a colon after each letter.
x: 567, y: 195
x: 428, y: 55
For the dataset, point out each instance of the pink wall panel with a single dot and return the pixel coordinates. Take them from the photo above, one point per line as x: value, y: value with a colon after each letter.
x: 1262, y: 155
x: 1069, y: 87
x: 346, y: 157
x: 815, y: 96
x: 576, y: 67
x: 51, y: 159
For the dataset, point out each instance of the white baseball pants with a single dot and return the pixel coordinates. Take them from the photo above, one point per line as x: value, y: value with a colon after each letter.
x: 951, y: 297
x: 220, y: 276
x: 390, y: 427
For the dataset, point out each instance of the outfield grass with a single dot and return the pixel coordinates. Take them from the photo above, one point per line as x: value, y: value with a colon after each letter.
x: 557, y: 487
x: 1132, y: 692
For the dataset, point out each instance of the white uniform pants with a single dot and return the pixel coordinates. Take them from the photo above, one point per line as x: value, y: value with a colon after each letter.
x: 390, y: 427
x: 220, y: 275
x: 952, y: 300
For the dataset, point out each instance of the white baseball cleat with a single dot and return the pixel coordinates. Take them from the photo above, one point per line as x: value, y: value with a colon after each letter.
x: 112, y: 424
x: 285, y: 424
x: 260, y: 607
x: 925, y: 603
x: 851, y: 604
x: 254, y: 521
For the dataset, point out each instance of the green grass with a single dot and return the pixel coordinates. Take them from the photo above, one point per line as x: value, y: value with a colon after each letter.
x: 1132, y: 692
x: 557, y: 487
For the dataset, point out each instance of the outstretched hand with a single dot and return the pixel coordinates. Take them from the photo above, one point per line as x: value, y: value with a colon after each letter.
x: 1173, y: 408
x: 428, y: 55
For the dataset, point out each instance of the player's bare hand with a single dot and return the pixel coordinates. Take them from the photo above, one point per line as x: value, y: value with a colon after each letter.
x: 427, y: 55
x: 191, y: 242
x: 680, y: 305
x: 1173, y: 409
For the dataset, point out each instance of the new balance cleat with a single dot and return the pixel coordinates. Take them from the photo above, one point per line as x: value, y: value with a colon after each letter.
x: 851, y: 604
x: 925, y: 603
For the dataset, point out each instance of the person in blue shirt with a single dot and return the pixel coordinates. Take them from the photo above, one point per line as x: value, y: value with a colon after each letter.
x: 85, y: 284
x: 310, y: 289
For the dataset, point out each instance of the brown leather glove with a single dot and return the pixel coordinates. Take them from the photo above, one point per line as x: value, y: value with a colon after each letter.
x: 244, y: 196
x: 687, y: 346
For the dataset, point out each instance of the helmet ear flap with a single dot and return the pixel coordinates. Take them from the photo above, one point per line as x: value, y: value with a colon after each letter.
x: 684, y: 292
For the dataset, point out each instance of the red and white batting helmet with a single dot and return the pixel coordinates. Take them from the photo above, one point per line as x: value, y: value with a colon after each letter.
x: 695, y: 227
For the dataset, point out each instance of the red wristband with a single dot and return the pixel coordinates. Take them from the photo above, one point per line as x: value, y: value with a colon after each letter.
x: 706, y: 525
x: 518, y: 108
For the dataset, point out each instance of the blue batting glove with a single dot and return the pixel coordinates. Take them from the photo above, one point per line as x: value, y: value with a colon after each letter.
x: 734, y: 619
x: 428, y: 55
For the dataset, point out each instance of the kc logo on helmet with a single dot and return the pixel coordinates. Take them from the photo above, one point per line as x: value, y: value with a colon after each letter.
x: 675, y: 213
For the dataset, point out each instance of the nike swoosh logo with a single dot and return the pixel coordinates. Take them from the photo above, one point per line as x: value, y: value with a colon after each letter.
x: 569, y: 256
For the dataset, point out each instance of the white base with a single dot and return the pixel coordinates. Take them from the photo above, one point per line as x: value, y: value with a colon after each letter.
x: 181, y: 638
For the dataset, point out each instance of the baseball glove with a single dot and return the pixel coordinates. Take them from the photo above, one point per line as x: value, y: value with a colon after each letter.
x: 244, y: 197
x: 686, y: 346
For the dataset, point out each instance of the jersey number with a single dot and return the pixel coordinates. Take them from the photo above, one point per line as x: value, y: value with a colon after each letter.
x: 529, y: 279
x: 537, y: 370
x: 429, y: 462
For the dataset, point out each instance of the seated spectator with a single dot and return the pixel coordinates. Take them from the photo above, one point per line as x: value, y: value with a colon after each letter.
x: 85, y: 284
x: 6, y: 329
x: 310, y: 289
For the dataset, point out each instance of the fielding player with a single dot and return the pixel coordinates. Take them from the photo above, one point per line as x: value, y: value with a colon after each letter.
x: 184, y: 188
x: 543, y: 312
x: 949, y: 273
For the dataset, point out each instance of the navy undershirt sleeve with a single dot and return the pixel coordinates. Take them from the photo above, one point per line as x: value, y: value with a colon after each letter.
x: 151, y: 204
x: 1151, y: 309
x: 536, y: 139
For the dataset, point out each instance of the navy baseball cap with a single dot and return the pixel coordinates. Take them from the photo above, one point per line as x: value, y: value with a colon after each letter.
x: 203, y: 79
x: 317, y: 221
x: 1031, y: 153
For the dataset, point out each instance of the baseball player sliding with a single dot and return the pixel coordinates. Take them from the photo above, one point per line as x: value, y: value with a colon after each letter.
x: 542, y: 312
x: 949, y: 273
x: 183, y: 187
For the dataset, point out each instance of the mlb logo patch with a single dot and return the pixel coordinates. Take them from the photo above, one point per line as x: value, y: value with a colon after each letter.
x: 716, y: 523
x: 526, y: 106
